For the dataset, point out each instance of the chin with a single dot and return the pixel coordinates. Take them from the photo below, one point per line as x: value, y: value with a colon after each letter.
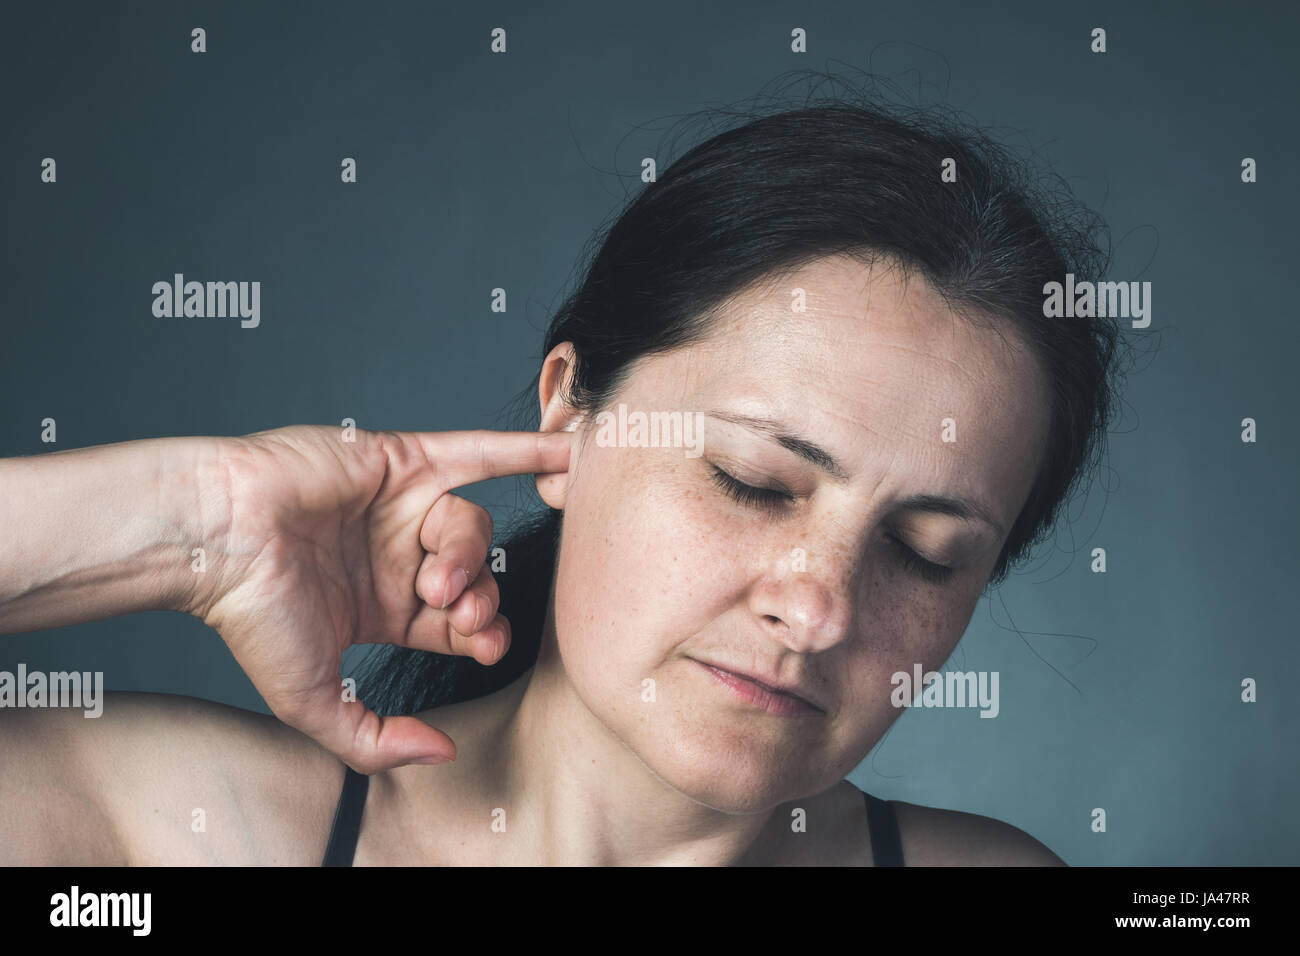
x: 727, y: 775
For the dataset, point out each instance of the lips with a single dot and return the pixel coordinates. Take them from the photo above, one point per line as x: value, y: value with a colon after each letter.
x: 763, y: 695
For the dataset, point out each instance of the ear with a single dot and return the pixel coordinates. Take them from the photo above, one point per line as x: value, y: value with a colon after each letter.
x: 553, y: 384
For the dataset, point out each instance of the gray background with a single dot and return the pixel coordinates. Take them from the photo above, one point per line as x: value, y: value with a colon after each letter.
x: 1118, y: 691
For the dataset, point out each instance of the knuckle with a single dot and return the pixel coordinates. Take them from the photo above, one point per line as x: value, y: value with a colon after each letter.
x: 458, y: 641
x: 474, y: 521
x: 388, y: 445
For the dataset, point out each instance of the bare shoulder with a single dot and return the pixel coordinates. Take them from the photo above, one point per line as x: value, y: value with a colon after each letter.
x: 934, y: 837
x: 183, y: 781
x: 246, y: 788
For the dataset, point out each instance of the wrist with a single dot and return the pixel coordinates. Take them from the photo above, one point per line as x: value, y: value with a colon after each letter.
x: 194, y: 483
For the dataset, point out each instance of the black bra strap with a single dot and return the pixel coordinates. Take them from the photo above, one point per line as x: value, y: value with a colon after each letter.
x: 347, y: 820
x: 886, y: 845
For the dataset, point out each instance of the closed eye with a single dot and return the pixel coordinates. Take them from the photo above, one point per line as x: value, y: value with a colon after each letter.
x: 937, y: 573
x: 775, y: 501
x: 767, y: 499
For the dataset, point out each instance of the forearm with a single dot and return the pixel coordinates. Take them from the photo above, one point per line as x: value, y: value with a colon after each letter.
x: 107, y: 530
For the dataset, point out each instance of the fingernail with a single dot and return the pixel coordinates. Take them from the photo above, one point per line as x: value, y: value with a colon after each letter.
x: 491, y: 643
x: 436, y: 758
x: 462, y: 575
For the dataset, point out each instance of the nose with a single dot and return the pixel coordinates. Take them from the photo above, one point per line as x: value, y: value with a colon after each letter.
x: 806, y: 603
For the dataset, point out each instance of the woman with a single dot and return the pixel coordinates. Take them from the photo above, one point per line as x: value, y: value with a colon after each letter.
x: 704, y: 646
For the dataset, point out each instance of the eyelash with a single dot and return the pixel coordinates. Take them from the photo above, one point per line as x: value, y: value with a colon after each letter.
x: 768, y: 499
x: 936, y: 573
x: 771, y: 500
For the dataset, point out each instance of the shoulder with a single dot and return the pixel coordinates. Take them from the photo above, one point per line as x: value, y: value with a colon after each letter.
x: 200, y: 782
x: 935, y: 837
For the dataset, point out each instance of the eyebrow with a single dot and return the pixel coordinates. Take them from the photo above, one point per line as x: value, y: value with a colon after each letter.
x: 810, y: 451
x: 956, y: 507
x: 805, y: 449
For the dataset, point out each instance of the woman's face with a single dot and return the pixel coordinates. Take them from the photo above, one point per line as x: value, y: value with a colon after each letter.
x: 662, y: 573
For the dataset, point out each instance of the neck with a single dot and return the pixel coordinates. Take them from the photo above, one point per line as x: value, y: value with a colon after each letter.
x: 575, y: 794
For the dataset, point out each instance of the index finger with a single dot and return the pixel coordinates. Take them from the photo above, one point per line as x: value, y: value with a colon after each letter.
x: 464, y: 457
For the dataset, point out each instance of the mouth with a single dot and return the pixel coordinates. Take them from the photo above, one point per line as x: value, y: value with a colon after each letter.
x: 760, y: 695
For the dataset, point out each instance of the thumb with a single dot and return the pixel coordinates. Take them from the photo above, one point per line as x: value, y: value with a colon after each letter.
x: 372, y: 744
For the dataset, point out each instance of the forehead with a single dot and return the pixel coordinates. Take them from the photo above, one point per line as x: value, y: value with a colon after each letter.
x: 873, y: 364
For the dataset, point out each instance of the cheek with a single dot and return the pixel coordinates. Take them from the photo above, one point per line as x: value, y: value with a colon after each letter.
x: 640, y: 567
x: 902, y: 625
x: 906, y: 622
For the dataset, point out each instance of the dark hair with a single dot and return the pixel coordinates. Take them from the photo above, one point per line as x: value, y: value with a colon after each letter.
x: 768, y: 196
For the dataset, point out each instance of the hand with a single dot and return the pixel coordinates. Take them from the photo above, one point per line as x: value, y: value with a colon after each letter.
x: 324, y: 543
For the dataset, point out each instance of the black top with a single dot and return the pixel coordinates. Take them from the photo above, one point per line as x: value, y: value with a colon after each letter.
x: 886, y: 844
x: 347, y: 820
x: 886, y: 847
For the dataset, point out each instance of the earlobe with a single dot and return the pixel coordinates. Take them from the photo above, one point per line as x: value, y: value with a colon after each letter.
x: 552, y: 488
